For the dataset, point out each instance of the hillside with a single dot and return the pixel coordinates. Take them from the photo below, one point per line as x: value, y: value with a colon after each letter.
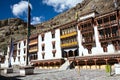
x: 13, y: 27
x: 81, y: 8
x: 17, y: 28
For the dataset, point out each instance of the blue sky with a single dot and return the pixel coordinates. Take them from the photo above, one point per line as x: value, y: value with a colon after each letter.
x: 42, y: 10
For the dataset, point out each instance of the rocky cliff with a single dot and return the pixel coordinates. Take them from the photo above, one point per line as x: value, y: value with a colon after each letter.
x: 100, y: 6
x: 18, y: 28
x: 15, y: 28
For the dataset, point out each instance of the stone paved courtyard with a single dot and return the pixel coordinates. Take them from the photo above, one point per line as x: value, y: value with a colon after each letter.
x: 72, y: 74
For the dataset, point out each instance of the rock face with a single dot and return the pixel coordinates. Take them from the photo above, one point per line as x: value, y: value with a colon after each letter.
x: 18, y: 28
x: 13, y: 27
x: 100, y: 6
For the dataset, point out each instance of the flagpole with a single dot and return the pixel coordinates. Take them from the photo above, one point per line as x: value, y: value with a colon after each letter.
x: 28, y: 32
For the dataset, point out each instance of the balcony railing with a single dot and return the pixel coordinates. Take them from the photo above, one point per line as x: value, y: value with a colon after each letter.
x: 69, y: 44
x: 68, y: 35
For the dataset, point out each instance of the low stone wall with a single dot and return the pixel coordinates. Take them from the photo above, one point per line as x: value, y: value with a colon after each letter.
x: 6, y: 70
x: 117, y: 68
x: 26, y: 71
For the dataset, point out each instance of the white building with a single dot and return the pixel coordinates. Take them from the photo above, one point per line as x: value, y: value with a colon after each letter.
x: 92, y: 40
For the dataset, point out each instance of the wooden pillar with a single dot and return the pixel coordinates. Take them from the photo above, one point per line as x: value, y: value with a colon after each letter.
x: 73, y: 53
x: 78, y: 64
x: 67, y: 54
x: 48, y: 65
x: 106, y: 61
x: 95, y: 63
x: 54, y: 64
x: 43, y: 65
x: 86, y: 63
x: 118, y: 60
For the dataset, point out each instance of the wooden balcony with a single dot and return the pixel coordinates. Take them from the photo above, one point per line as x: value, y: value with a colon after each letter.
x: 86, y: 30
x: 68, y: 35
x: 108, y: 38
x: 33, y: 42
x: 33, y: 50
x: 69, y: 44
x: 108, y: 24
x: 88, y: 43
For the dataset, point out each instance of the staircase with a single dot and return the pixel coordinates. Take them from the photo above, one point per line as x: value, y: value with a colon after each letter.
x: 67, y: 65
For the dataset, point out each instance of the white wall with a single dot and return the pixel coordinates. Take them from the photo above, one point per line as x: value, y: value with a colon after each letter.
x: 87, y: 16
x: 97, y: 49
x: 48, y: 45
x: 22, y: 54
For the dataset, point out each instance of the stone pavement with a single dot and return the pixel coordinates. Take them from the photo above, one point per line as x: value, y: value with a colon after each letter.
x: 73, y: 74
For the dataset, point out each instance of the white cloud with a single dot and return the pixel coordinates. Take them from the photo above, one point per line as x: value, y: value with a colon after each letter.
x: 36, y: 20
x: 61, y: 5
x: 20, y: 8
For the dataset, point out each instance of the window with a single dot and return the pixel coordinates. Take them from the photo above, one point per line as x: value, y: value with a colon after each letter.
x: 43, y: 47
x: 54, y: 52
x: 113, y: 17
x: 24, y: 58
x: 104, y: 45
x: 18, y: 58
x: 53, y: 44
x: 53, y: 35
x: 99, y: 21
x: 24, y: 42
x: 89, y: 51
x: 43, y: 55
x: 18, y: 52
x: 14, y: 58
x: 42, y: 38
x: 105, y: 49
x: 19, y: 45
x: 106, y: 19
x: 24, y: 50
